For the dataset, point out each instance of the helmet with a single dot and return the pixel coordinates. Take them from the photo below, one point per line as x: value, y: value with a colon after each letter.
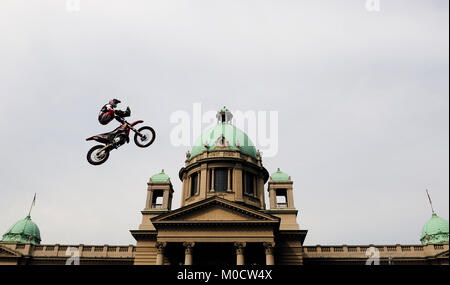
x: 114, y: 102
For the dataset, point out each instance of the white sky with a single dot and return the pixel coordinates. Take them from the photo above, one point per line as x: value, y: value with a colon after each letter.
x: 362, y: 99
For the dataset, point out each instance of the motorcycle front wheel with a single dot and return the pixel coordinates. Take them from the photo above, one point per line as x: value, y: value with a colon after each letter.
x: 147, y: 137
x: 97, y: 157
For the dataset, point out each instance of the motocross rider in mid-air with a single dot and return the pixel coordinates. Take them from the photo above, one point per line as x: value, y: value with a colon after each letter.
x: 108, y: 113
x: 143, y: 137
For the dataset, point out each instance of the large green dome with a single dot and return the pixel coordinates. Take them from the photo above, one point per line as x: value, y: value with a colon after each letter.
x: 24, y: 231
x: 235, y: 138
x: 435, y: 231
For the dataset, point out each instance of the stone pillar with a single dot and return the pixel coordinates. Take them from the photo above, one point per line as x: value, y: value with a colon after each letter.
x: 240, y: 260
x: 290, y: 198
x: 148, y: 203
x: 160, y: 246
x: 165, y: 203
x: 185, y: 188
x: 237, y: 187
x: 268, y: 246
x: 203, y: 181
x: 229, y: 185
x: 188, y: 250
x: 260, y: 191
x: 211, y: 189
x: 273, y: 198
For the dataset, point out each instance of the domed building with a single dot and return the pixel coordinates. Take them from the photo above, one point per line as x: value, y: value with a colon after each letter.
x: 223, y: 209
x: 223, y: 219
x: 435, y: 231
x: 24, y: 231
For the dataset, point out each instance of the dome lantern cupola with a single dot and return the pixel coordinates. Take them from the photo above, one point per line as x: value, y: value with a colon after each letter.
x: 224, y: 115
x: 160, y: 192
x: 281, y: 191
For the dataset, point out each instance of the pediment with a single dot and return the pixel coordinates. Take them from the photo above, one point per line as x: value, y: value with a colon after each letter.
x: 444, y: 254
x: 7, y: 252
x: 215, y: 213
x: 215, y: 210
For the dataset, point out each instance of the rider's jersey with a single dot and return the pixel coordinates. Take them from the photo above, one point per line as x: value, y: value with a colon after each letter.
x: 106, y: 114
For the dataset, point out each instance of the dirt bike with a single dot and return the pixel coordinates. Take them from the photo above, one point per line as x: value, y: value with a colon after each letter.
x: 143, y: 137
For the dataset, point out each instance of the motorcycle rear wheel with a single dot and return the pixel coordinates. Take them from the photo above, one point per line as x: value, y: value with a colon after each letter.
x: 147, y: 139
x: 95, y: 157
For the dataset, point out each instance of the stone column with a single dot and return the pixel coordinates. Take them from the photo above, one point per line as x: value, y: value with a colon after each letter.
x: 237, y: 187
x: 260, y: 191
x: 211, y: 189
x: 203, y: 181
x: 165, y: 203
x: 240, y: 260
x: 160, y: 246
x: 268, y: 246
x: 184, y: 195
x: 290, y: 198
x: 188, y: 250
x: 272, y: 198
x: 148, y: 203
x: 229, y: 186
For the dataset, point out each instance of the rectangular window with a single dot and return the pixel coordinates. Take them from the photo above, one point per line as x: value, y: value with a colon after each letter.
x: 220, y: 179
x: 157, y: 200
x: 231, y: 179
x: 249, y: 183
x: 210, y: 177
x: 194, y: 184
x: 281, y: 198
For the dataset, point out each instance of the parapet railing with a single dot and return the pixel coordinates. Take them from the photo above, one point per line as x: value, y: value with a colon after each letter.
x: 381, y: 248
x: 84, y: 250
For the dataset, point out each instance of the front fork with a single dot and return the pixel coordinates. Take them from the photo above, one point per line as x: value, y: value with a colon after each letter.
x: 104, y: 148
x: 137, y: 132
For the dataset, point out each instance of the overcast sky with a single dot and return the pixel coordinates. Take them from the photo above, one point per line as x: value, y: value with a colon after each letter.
x: 362, y: 97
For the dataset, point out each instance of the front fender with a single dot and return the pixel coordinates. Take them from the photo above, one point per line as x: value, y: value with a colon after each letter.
x: 137, y: 122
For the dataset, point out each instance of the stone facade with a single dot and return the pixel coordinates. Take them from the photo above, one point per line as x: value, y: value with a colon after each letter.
x: 223, y: 220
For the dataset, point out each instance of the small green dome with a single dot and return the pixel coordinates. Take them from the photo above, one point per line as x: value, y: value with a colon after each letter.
x: 280, y: 176
x: 435, y: 231
x: 24, y: 231
x: 235, y: 138
x: 160, y: 177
